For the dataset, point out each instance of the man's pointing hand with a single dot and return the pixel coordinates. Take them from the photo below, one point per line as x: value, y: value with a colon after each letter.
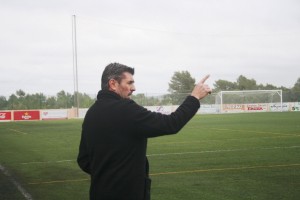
x: 201, y: 90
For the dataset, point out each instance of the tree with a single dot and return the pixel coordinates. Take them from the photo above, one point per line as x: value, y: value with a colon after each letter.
x: 246, y: 84
x: 297, y: 86
x: 3, y: 103
x: 296, y: 90
x: 50, y: 102
x: 12, y: 102
x: 35, y: 101
x: 145, y: 100
x: 223, y: 85
x: 266, y: 87
x: 85, y: 100
x: 140, y: 99
x: 64, y: 100
x: 20, y: 93
x: 181, y: 83
x: 20, y: 103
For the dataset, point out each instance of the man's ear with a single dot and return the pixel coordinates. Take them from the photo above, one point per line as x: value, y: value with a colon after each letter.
x: 112, y: 83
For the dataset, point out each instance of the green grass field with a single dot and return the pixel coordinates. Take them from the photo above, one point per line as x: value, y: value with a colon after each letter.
x: 230, y: 156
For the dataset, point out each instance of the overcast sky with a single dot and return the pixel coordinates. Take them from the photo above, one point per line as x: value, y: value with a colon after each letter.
x: 259, y: 39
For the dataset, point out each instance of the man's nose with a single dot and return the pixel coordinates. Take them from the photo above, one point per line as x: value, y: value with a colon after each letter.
x: 133, y: 88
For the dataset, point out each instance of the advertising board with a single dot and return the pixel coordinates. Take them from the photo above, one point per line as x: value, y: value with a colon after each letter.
x: 233, y: 108
x: 257, y: 107
x: 295, y: 106
x: 54, y: 114
x: 276, y: 107
x: 26, y: 115
x: 5, y: 116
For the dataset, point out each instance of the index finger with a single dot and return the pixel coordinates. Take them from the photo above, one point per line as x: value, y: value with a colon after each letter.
x: 204, y: 79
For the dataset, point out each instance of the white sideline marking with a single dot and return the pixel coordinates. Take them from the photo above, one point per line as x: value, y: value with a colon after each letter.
x: 18, y: 186
x: 224, y: 150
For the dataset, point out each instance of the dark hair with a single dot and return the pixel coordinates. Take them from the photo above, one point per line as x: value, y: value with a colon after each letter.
x: 114, y: 71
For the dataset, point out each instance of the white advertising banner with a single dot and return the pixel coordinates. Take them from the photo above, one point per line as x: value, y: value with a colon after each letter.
x: 54, y: 114
x: 82, y: 112
x: 276, y: 107
x: 208, y: 108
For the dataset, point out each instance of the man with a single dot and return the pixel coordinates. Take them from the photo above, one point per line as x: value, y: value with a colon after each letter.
x: 114, y: 136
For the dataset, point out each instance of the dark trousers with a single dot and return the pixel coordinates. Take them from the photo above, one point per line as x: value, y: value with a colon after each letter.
x: 147, y: 188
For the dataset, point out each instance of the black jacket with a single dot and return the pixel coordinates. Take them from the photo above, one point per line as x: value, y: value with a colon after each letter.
x: 114, y: 140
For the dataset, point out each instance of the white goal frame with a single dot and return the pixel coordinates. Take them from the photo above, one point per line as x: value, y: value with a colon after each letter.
x: 237, y: 106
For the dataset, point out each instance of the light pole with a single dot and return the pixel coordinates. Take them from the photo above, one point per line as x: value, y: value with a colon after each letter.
x: 75, y: 70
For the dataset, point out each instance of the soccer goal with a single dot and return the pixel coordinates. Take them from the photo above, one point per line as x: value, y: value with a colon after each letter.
x: 249, y: 101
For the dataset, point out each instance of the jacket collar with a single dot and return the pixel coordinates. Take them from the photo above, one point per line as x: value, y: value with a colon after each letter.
x: 108, y: 94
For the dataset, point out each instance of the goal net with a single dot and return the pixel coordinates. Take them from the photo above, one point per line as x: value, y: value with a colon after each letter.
x: 249, y: 101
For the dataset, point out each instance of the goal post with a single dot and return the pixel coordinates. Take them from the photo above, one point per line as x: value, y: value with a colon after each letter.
x: 248, y: 101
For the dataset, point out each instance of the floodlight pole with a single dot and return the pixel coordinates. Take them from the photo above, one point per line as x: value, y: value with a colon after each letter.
x: 75, y: 69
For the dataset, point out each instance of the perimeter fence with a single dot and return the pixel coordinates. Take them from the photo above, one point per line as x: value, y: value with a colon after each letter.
x: 65, y: 100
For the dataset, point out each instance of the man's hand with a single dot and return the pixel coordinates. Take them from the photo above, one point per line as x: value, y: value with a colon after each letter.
x: 201, y: 90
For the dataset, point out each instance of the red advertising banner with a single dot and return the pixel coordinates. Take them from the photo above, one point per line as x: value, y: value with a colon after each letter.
x: 27, y: 115
x: 257, y: 107
x: 5, y: 116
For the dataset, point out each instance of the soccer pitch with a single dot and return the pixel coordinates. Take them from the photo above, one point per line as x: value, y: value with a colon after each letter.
x: 228, y: 156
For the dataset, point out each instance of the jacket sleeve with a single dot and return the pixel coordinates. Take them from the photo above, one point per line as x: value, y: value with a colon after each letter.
x: 83, y: 156
x: 152, y: 124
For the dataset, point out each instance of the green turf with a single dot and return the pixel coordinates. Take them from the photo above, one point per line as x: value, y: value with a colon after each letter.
x: 230, y: 156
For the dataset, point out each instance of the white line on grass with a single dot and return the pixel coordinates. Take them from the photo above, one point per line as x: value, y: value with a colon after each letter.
x: 16, y: 184
x: 16, y: 131
x: 222, y: 150
x: 231, y: 139
x: 250, y: 131
x: 176, y: 153
x: 59, y: 181
x: 43, y: 162
x: 183, y: 172
x: 225, y: 169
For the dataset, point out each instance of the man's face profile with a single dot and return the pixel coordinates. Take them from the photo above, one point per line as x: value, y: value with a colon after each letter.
x: 126, y: 86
